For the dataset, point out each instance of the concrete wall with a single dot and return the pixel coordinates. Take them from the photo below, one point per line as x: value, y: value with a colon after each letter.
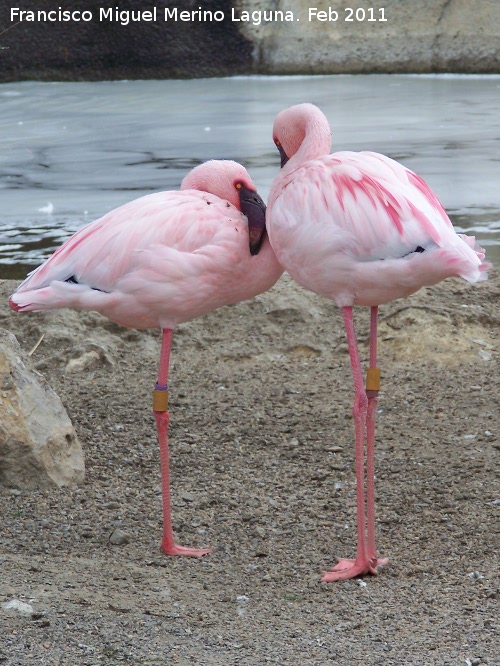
x: 100, y: 50
x: 417, y: 36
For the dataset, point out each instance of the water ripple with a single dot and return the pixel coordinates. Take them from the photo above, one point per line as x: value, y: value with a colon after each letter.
x: 72, y: 151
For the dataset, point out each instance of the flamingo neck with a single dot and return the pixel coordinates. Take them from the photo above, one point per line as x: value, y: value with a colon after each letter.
x: 317, y: 138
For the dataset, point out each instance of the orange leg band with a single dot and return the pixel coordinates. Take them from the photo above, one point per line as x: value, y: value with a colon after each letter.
x: 160, y: 399
x: 373, y: 379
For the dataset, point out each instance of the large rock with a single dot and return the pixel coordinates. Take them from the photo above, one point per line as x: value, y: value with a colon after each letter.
x: 38, y: 444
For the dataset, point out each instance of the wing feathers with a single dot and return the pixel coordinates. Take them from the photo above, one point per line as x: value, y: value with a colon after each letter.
x: 152, y: 221
x: 387, y: 209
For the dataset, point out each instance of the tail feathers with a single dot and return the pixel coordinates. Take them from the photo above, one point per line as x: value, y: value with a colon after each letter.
x: 13, y: 305
x: 465, y: 259
x: 475, y: 267
x: 56, y: 295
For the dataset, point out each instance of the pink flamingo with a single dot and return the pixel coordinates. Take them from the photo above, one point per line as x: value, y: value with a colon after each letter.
x: 360, y: 229
x: 161, y: 260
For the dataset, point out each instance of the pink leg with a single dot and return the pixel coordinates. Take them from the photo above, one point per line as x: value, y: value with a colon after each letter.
x: 363, y: 563
x: 160, y: 410
x: 351, y: 568
x: 372, y: 388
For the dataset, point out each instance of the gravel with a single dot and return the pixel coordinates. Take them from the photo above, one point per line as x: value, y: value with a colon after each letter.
x: 262, y: 472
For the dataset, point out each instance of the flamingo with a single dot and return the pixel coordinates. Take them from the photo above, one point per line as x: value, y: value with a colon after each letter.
x: 360, y: 229
x: 161, y: 260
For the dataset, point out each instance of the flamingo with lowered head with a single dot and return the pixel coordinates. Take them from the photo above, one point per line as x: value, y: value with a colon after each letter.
x: 161, y: 260
x: 360, y: 229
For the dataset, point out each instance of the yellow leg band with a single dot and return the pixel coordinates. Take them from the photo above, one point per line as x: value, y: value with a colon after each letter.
x: 373, y: 379
x: 160, y: 401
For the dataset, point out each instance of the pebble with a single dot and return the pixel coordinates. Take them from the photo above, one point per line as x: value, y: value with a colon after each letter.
x: 119, y: 538
x: 19, y: 606
x: 111, y: 505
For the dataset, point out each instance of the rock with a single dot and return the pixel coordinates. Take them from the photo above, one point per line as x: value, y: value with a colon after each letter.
x: 86, y: 361
x: 100, y: 349
x: 18, y: 606
x: 38, y: 444
x: 118, y: 538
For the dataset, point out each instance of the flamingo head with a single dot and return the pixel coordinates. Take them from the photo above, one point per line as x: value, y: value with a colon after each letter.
x: 230, y: 181
x: 302, y: 126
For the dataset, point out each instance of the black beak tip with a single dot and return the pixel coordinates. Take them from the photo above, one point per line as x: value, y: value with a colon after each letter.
x: 255, y: 210
x: 283, y: 155
x: 256, y: 245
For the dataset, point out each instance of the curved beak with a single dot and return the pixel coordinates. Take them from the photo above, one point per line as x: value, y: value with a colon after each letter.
x: 255, y: 209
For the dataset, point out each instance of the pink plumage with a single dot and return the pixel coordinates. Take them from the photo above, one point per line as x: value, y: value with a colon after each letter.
x: 369, y: 229
x: 160, y: 260
x: 360, y: 229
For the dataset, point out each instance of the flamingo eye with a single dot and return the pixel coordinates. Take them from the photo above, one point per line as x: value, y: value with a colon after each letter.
x: 238, y: 186
x: 277, y: 143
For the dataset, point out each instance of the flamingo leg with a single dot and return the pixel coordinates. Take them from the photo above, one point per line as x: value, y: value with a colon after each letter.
x: 351, y: 568
x: 160, y: 410
x: 372, y: 389
x: 363, y: 563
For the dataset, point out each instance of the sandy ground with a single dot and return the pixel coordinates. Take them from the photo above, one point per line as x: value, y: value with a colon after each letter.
x: 262, y: 471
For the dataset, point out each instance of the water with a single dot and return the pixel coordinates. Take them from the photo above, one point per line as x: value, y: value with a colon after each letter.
x: 69, y: 152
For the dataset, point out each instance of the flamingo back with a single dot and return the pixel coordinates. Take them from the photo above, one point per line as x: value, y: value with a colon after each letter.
x: 160, y: 260
x: 348, y: 212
